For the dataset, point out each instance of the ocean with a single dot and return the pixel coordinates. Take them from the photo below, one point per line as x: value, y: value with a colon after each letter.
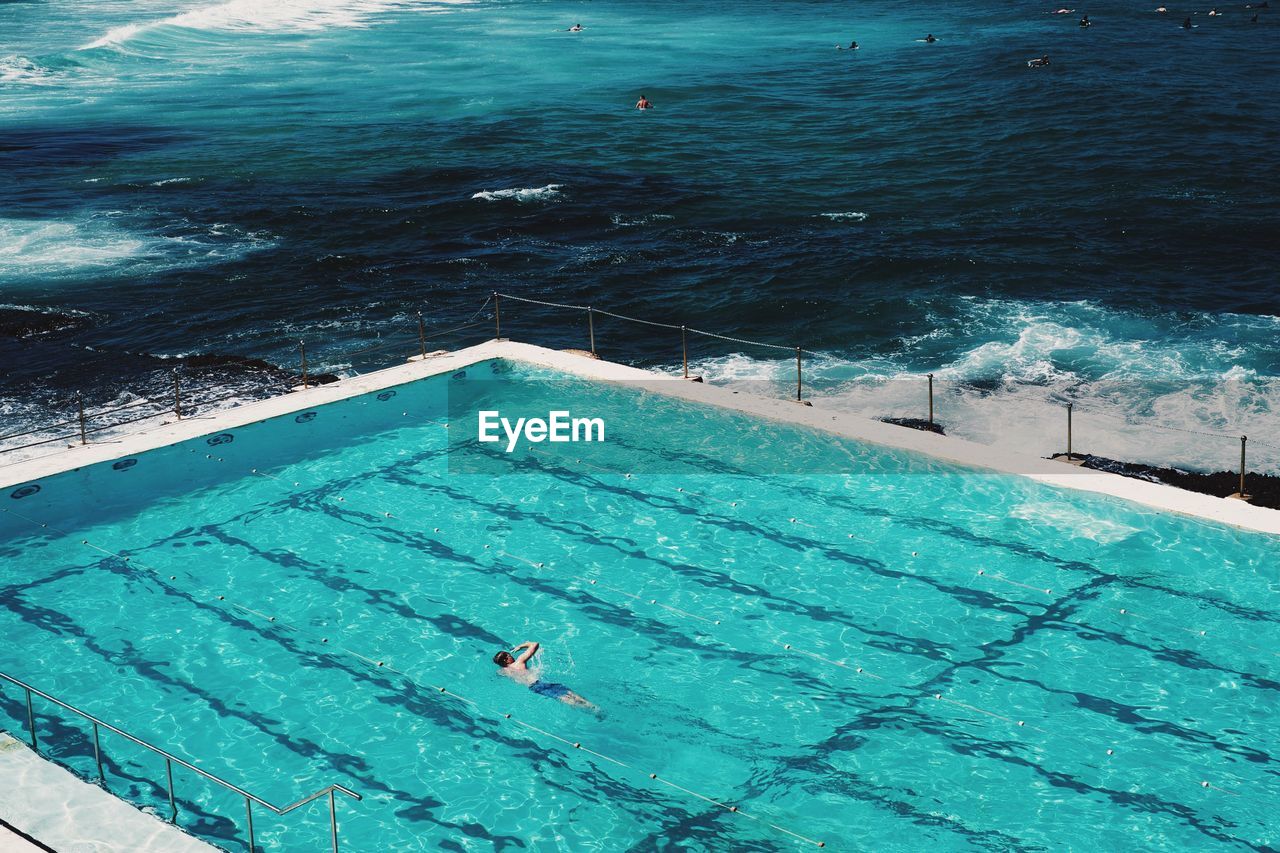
x: 181, y: 183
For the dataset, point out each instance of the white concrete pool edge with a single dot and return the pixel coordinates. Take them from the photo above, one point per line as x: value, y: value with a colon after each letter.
x: 860, y: 428
x: 59, y: 809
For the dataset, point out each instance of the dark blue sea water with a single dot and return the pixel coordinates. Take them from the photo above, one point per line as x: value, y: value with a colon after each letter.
x: 183, y: 179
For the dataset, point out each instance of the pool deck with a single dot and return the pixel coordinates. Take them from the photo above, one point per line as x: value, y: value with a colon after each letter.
x: 64, y: 813
x: 1222, y: 510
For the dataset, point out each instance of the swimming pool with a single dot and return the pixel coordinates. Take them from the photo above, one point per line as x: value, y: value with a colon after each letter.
x: 883, y: 653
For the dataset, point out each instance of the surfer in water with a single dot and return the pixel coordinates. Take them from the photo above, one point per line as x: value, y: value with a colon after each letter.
x: 1085, y: 22
x: 517, y: 669
x: 576, y: 28
x: 853, y: 45
x: 643, y: 103
x: 1186, y: 24
x: 929, y: 39
x: 1042, y: 62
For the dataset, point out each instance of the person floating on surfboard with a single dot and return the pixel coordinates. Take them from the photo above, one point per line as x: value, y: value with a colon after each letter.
x: 643, y: 103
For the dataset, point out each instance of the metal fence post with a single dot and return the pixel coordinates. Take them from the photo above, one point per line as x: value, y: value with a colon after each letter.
x: 177, y: 396
x: 302, y: 348
x: 31, y: 721
x: 248, y: 810
x: 1070, y: 407
x: 497, y: 316
x: 97, y: 754
x: 930, y: 398
x: 1243, y: 440
x: 333, y: 821
x: 799, y: 377
x: 591, y: 327
x: 684, y: 347
x: 422, y: 336
x: 173, y: 805
x: 84, y: 439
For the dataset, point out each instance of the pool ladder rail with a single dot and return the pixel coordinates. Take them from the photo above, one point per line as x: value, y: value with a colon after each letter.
x: 169, y: 760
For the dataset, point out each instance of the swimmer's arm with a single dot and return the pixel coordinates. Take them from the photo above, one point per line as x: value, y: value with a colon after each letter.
x: 530, y: 649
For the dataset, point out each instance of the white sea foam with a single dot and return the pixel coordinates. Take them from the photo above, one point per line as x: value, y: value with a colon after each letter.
x: 21, y: 70
x: 847, y: 216
x: 1144, y: 390
x: 648, y: 219
x: 288, y: 16
x: 37, y: 245
x: 522, y: 194
x: 167, y: 181
x: 40, y: 247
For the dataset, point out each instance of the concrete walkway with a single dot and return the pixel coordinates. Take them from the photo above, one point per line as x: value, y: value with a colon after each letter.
x: 64, y: 813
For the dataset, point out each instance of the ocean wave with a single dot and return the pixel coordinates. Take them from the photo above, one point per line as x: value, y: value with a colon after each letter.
x: 36, y: 245
x: 21, y: 70
x: 287, y: 16
x: 53, y: 247
x: 631, y: 221
x: 1159, y: 391
x: 167, y: 181
x: 847, y: 216
x: 522, y: 194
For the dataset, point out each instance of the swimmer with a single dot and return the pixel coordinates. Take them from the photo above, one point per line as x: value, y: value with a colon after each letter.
x: 517, y: 669
x: 643, y: 103
x: 1186, y: 24
x: 930, y: 39
x: 1042, y: 62
x: 1085, y: 22
x: 1214, y: 12
x: 853, y: 45
x: 576, y: 28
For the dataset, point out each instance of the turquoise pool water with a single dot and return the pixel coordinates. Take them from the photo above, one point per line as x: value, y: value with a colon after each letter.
x: 887, y: 654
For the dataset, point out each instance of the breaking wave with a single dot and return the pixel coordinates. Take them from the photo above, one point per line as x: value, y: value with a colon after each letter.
x: 1159, y: 391
x: 522, y: 194
x: 288, y: 16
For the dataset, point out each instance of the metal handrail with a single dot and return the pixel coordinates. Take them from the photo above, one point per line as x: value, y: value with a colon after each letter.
x: 496, y: 297
x: 591, y: 311
x: 170, y: 759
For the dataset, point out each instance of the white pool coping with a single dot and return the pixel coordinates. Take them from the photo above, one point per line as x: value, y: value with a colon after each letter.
x: 857, y: 427
x: 59, y: 809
